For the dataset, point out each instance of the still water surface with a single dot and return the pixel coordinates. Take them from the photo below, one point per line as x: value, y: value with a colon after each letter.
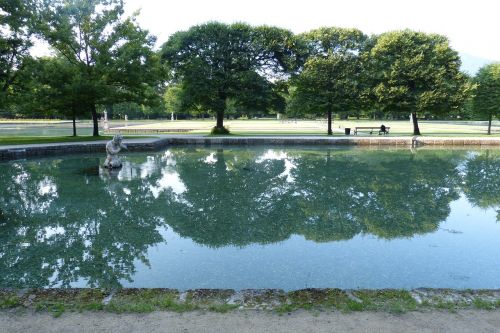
x: 253, y: 218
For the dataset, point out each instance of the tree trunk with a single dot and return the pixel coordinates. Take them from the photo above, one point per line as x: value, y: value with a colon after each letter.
x: 74, y: 123
x: 489, y: 124
x: 221, y: 107
x: 330, y: 123
x: 93, y: 110
x: 109, y: 110
x: 416, y: 130
x: 220, y: 119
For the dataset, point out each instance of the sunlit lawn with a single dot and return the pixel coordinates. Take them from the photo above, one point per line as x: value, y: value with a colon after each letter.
x: 253, y: 127
x: 316, y: 127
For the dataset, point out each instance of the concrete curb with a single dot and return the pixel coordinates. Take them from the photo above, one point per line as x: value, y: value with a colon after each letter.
x: 39, y: 150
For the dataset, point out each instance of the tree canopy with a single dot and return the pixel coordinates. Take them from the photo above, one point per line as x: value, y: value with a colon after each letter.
x: 414, y: 72
x: 112, y: 55
x: 16, y: 32
x: 216, y: 62
x: 330, y: 80
x: 487, y: 96
x: 225, y: 69
x: 327, y: 85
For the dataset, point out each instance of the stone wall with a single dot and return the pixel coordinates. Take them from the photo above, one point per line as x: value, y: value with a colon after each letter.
x: 25, y: 151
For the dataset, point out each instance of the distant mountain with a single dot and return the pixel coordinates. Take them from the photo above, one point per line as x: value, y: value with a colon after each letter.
x: 471, y: 64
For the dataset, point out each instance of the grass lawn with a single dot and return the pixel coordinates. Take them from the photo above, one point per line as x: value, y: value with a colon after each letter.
x: 26, y: 133
x: 264, y: 127
x: 25, y: 140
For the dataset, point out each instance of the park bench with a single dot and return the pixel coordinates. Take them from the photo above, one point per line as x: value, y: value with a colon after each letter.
x: 372, y: 129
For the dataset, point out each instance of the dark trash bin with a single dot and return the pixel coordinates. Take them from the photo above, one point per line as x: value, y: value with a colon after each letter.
x: 347, y: 131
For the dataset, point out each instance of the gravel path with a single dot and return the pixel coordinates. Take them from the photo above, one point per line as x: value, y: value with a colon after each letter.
x: 253, y: 321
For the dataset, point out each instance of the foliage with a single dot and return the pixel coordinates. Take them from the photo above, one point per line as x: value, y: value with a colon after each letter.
x: 330, y: 81
x: 215, y: 62
x: 487, y: 97
x: 112, y: 56
x: 333, y: 40
x: 415, y: 72
x: 219, y: 131
x: 16, y: 30
x: 173, y: 99
x: 327, y: 85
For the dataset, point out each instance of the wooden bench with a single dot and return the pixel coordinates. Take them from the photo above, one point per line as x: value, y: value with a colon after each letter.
x: 372, y: 129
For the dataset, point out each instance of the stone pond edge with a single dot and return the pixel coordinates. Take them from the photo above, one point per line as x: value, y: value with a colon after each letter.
x: 58, y: 300
x: 40, y: 150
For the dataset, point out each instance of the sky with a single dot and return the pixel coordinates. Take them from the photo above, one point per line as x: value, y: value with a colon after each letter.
x: 473, y: 26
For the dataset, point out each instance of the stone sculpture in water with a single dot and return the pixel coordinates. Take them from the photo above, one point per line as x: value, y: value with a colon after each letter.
x: 113, y: 147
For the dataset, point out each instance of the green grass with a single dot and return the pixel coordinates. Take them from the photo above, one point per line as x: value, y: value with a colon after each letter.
x: 30, y: 121
x: 9, y: 301
x: 273, y: 127
x: 449, y: 306
x: 58, y: 301
x: 148, y: 302
x: 55, y: 308
x: 25, y: 140
x: 485, y: 305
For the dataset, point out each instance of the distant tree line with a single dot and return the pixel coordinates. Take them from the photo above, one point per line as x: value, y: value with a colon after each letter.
x: 104, y: 61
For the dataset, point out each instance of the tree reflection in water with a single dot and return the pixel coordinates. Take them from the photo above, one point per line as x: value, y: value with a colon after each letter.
x: 66, y: 220
x: 481, y: 181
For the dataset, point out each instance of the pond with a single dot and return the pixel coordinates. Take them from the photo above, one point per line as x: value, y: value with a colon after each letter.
x: 254, y: 217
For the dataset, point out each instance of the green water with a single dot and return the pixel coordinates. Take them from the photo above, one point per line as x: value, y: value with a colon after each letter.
x: 253, y: 218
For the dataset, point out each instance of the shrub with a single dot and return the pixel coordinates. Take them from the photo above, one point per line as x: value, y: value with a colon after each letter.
x: 219, y: 131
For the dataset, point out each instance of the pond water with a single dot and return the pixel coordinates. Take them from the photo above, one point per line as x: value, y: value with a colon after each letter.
x: 253, y: 217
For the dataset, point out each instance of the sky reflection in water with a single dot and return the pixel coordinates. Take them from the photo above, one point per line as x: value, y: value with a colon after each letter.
x: 253, y: 218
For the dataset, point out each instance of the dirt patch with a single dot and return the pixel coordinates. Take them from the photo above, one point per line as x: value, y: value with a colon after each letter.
x: 244, y: 321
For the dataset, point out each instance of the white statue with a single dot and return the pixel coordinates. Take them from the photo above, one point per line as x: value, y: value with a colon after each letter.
x: 113, y: 147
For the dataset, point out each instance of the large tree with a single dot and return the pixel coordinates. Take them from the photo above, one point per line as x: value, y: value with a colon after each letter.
x: 57, y: 86
x: 415, y: 72
x: 487, y: 97
x: 112, y: 55
x: 217, y: 62
x: 16, y: 30
x: 327, y: 85
x: 330, y: 81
